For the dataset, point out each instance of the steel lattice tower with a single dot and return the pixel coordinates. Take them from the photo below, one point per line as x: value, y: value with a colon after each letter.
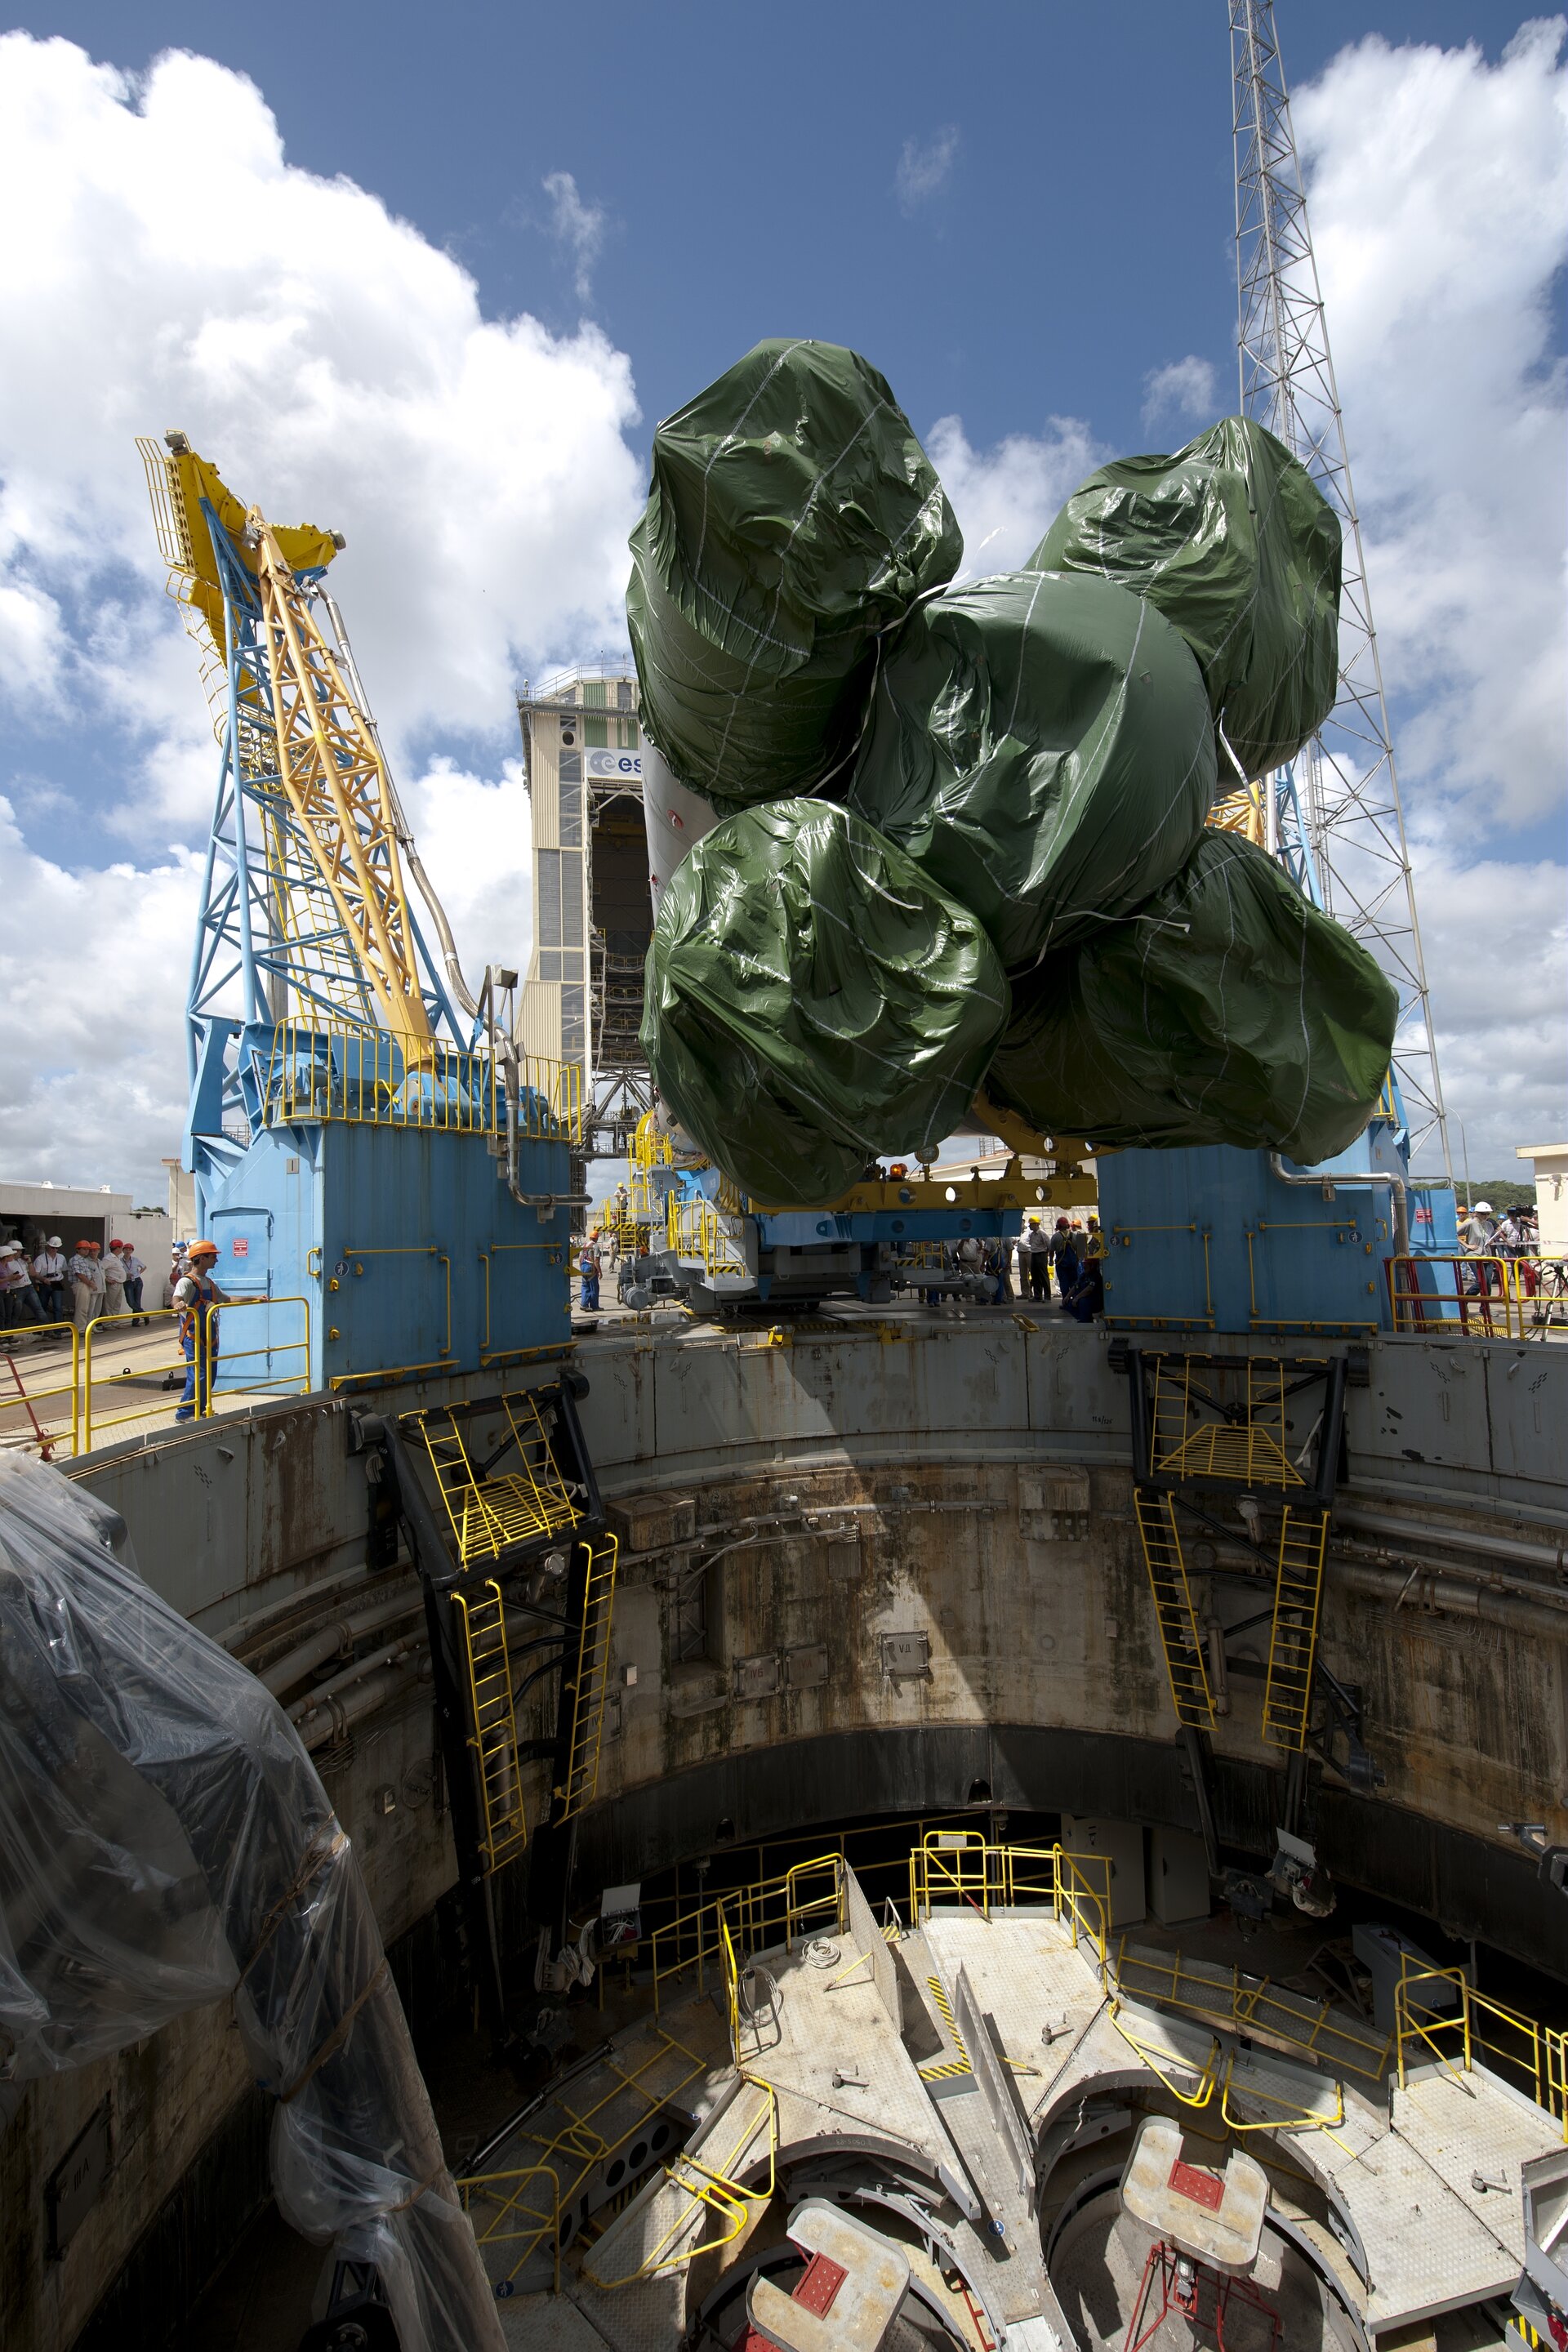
x: 1336, y: 819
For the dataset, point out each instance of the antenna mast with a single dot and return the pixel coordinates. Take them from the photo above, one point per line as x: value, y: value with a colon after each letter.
x: 1337, y: 818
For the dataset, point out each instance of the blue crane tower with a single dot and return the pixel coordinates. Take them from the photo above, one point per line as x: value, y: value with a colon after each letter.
x: 371, y: 1154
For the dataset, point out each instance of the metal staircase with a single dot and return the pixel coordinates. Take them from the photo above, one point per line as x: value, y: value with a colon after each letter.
x: 583, y: 1693
x: 1179, y: 1634
x: 492, y: 1734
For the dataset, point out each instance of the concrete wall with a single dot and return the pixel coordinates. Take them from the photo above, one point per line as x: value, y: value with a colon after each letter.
x: 942, y: 1590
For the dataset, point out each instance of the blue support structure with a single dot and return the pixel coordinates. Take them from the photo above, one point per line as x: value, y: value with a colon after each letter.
x: 389, y: 1201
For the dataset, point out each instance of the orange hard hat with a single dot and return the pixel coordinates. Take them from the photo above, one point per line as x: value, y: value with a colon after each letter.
x: 202, y: 1249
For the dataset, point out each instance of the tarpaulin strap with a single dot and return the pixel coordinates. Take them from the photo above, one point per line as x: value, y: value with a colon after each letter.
x: 415, y: 2194
x: 337, y: 2037
x: 325, y: 1846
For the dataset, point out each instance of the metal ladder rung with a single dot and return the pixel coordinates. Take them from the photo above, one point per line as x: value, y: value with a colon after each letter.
x: 1179, y: 1637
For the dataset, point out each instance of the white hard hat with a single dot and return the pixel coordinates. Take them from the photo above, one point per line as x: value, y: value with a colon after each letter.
x: 54, y: 1241
x: 1483, y: 1208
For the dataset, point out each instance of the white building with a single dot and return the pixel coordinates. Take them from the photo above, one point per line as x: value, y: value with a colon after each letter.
x: 1550, y: 1193
x: 582, y: 1000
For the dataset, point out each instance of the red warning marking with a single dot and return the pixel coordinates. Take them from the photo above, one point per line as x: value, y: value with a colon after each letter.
x: 821, y: 2283
x: 1202, y: 2188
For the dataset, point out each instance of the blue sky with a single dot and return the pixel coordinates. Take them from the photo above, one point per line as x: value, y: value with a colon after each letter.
x: 434, y: 281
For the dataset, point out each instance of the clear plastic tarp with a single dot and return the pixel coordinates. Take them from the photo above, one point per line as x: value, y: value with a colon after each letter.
x: 164, y: 1842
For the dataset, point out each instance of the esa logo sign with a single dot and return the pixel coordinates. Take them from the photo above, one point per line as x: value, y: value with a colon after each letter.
x: 624, y: 767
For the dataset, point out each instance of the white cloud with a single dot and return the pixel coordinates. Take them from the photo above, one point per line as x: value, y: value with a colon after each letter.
x: 1005, y: 495
x: 1184, y: 390
x: 1495, y: 940
x: 338, y: 367
x: 924, y: 167
x: 329, y: 358
x: 579, y: 226
x: 1438, y: 197
x: 92, y: 972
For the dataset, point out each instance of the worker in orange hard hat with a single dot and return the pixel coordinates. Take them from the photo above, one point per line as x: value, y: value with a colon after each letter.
x: 198, y: 1298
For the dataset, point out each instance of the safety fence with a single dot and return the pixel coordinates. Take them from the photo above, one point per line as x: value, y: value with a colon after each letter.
x: 1441, y: 2019
x: 333, y: 1071
x: 960, y: 1866
x: 713, y: 1941
x: 698, y: 1235
x: 72, y: 1389
x: 1479, y: 1297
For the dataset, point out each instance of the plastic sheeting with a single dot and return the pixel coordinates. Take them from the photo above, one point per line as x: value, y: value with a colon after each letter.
x: 792, y: 516
x: 1230, y: 1011
x: 164, y: 1841
x: 813, y: 1000
x: 1235, y: 543
x: 1042, y: 747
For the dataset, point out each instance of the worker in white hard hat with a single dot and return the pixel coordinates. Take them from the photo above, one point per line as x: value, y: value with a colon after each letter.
x: 49, y: 1279
x: 1035, y: 1257
x: 198, y: 1298
x: 18, y: 1300
x: 1477, y: 1227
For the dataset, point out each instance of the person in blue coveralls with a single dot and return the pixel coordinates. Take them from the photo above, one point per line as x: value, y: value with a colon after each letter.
x: 588, y: 1268
x: 198, y: 1298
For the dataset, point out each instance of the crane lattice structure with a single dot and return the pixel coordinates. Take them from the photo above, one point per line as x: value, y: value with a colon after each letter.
x: 1333, y: 816
x: 307, y: 925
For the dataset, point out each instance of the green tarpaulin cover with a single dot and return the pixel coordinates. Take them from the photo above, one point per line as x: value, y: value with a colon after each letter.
x: 812, y: 1000
x: 1231, y: 1012
x: 1042, y: 746
x: 793, y: 515
x: 1233, y: 542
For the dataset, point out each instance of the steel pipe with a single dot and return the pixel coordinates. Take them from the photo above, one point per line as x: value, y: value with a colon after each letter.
x: 1427, y: 1589
x: 1551, y: 1561
x: 338, y: 1633
x: 1333, y: 1179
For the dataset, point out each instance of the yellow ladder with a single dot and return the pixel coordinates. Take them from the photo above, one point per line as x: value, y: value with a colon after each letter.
x: 1293, y: 1636
x: 492, y: 1732
x: 1173, y: 1608
x: 1168, y: 1434
x: 590, y: 1681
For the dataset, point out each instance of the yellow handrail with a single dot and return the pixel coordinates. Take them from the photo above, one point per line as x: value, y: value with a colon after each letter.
x: 493, y: 2233
x: 1537, y: 2052
x: 208, y: 1362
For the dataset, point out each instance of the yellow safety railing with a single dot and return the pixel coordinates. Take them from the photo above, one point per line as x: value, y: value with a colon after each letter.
x: 215, y: 1382
x: 710, y: 1937
x: 960, y: 1866
x: 1471, y: 2029
x: 21, y: 1425
x: 1478, y: 1297
x: 712, y: 2186
x: 694, y: 1231
x: 1245, y: 2004
x: 516, y: 2219
x: 584, y: 2141
x: 333, y: 1071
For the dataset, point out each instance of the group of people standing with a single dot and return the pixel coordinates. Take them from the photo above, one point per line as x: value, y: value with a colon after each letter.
x: 1066, y: 1254
x: 53, y: 1288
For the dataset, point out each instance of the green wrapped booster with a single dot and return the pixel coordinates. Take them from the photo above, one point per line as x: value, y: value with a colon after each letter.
x: 1235, y: 544
x: 1230, y: 1010
x: 793, y: 515
x: 812, y: 1000
x: 1041, y: 745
